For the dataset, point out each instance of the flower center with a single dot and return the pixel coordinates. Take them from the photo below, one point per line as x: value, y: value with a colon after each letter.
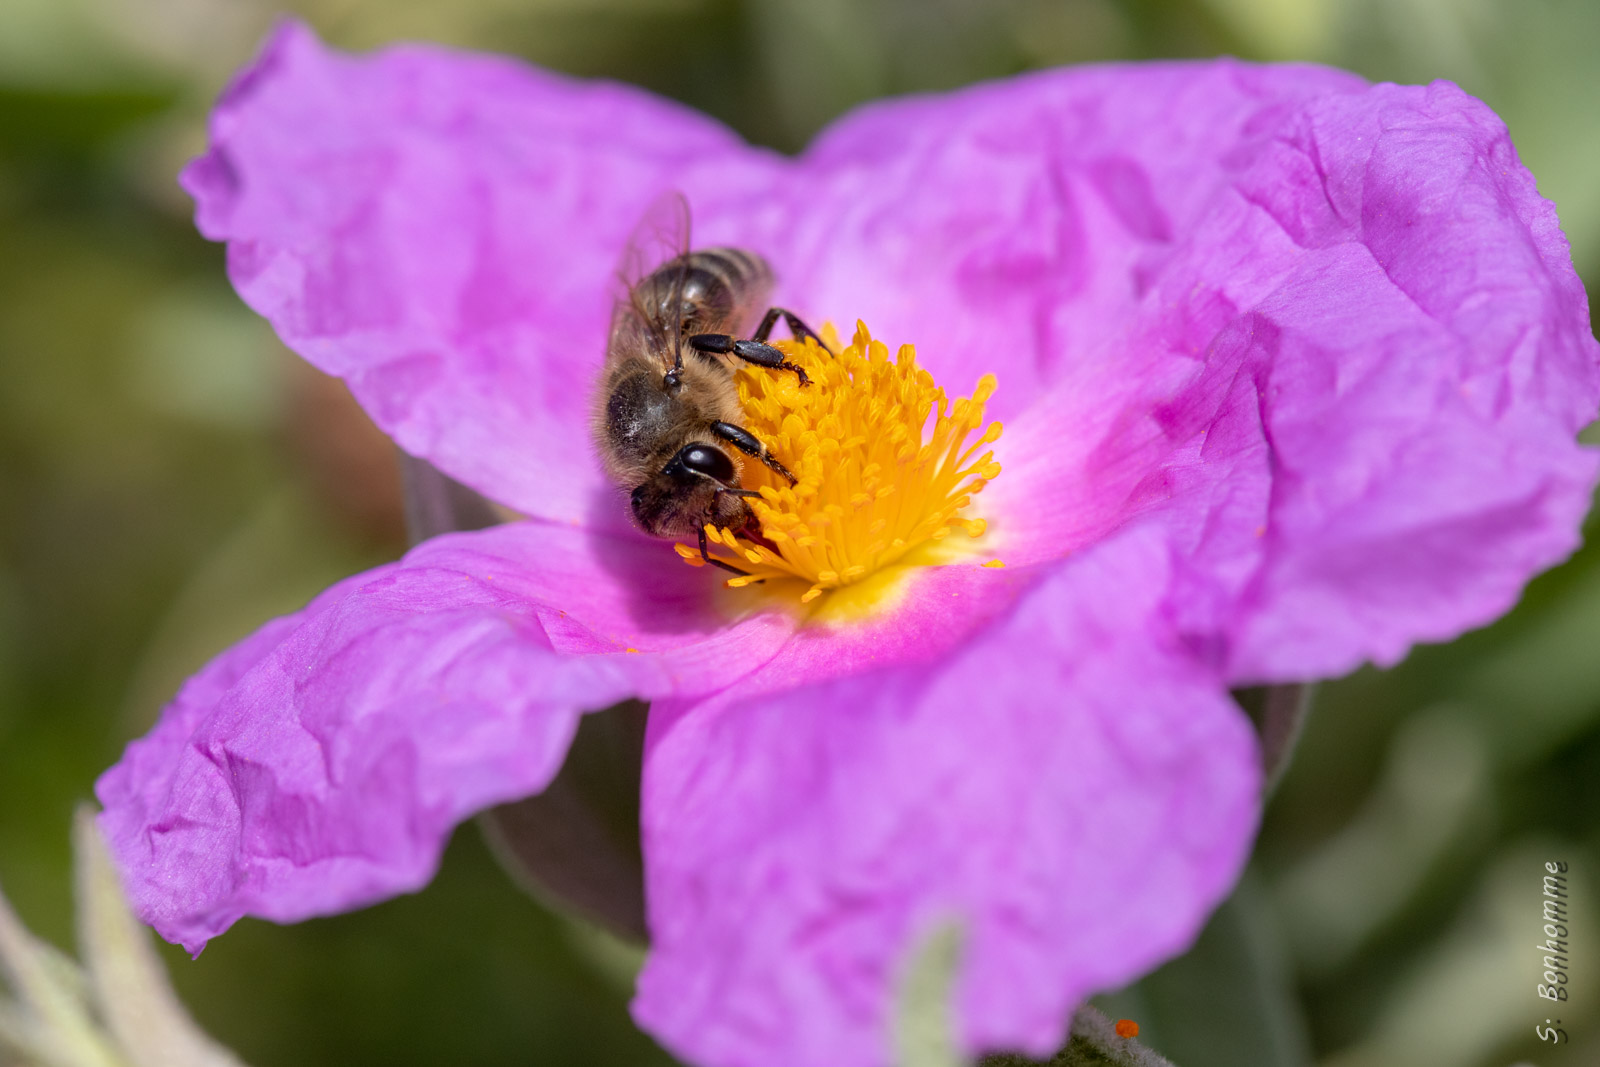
x: 874, y: 479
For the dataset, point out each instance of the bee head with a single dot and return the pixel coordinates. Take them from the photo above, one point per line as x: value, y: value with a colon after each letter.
x: 686, y: 494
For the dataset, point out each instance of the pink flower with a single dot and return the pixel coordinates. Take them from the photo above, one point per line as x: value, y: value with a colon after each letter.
x: 1291, y: 368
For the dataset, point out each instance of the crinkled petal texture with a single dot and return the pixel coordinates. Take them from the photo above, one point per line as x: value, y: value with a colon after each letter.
x: 320, y: 764
x: 1071, y: 789
x: 1291, y: 367
x: 1358, y: 285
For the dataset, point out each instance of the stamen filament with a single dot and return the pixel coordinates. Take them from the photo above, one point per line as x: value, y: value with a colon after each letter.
x: 873, y: 479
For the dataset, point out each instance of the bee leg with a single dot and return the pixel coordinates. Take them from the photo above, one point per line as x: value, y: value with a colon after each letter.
x: 705, y: 554
x: 797, y: 328
x: 750, y: 445
x: 757, y: 352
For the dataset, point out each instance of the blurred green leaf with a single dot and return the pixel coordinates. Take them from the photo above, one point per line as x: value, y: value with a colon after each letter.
x: 54, y: 122
x: 923, y: 1033
x: 1094, y: 1043
x: 1229, y: 1000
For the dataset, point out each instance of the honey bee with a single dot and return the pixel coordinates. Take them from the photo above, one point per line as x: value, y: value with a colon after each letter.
x: 667, y: 415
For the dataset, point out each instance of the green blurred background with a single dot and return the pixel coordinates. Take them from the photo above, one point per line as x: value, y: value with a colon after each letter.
x: 170, y: 477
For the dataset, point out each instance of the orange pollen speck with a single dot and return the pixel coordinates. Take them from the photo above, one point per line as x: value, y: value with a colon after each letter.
x: 880, y: 457
x: 1127, y: 1028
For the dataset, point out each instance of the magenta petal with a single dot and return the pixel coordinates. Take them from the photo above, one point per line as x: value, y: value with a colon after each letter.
x: 1349, y: 386
x: 1014, y: 227
x: 1069, y: 787
x: 442, y: 231
x: 1405, y: 306
x: 320, y: 764
x: 1292, y: 367
x: 1366, y: 273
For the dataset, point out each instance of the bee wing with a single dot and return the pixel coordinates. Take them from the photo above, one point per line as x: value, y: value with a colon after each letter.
x: 651, y: 300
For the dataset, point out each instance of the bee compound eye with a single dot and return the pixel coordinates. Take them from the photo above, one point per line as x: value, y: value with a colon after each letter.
x: 712, y: 462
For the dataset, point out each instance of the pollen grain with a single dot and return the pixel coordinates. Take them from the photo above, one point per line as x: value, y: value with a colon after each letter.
x: 880, y: 457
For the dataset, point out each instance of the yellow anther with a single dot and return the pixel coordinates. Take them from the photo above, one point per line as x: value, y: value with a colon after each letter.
x: 881, y: 461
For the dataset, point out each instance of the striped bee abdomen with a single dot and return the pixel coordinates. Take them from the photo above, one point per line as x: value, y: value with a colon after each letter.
x: 722, y: 289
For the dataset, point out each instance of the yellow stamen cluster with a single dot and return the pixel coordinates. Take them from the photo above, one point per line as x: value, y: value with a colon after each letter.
x: 874, y: 479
